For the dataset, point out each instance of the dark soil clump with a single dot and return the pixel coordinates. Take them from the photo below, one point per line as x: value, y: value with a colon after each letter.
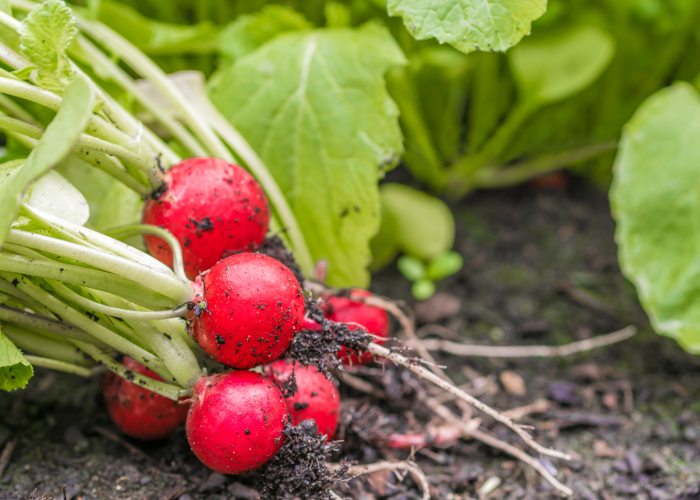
x: 299, y: 469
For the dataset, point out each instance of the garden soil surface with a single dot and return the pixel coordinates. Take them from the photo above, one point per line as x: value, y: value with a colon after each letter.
x: 540, y: 268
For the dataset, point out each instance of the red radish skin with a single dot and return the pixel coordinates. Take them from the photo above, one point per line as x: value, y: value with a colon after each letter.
x: 236, y: 420
x: 138, y: 412
x: 213, y: 208
x: 316, y: 397
x: 346, y: 310
x: 254, y: 307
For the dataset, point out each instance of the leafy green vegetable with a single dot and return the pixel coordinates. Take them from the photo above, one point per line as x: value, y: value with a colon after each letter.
x: 15, y: 370
x: 469, y: 25
x: 158, y: 38
x: 550, y: 69
x: 413, y: 269
x: 444, y: 265
x: 56, y: 143
x: 425, y: 226
x: 46, y: 33
x: 315, y: 108
x: 423, y: 289
x: 250, y: 31
x: 656, y: 203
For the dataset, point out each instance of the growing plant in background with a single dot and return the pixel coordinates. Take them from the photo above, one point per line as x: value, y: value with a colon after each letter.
x: 655, y: 200
x: 422, y: 228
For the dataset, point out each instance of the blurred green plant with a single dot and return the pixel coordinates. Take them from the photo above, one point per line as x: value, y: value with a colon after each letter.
x: 434, y: 91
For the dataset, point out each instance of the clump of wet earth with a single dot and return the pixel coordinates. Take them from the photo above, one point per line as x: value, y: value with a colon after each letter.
x: 540, y: 268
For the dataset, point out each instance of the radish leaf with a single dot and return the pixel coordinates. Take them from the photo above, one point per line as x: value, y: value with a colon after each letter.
x: 656, y: 204
x: 469, y: 25
x: 53, y: 194
x: 56, y: 143
x: 46, y: 33
x: 315, y: 108
x: 250, y: 31
x: 553, y: 68
x: 15, y: 370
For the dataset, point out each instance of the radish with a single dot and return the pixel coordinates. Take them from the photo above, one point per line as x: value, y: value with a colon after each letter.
x: 236, y: 420
x: 316, y: 398
x: 213, y: 208
x: 138, y: 412
x: 346, y: 310
x: 248, y: 308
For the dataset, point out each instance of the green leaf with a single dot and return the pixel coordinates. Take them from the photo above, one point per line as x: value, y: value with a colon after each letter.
x: 159, y: 38
x: 423, y: 289
x: 469, y: 25
x: 15, y: 370
x: 553, y: 68
x: 412, y: 268
x: 46, y: 33
x: 444, y: 265
x: 315, y: 108
x: 56, y: 143
x: 656, y: 203
x: 250, y: 31
x: 53, y: 194
x: 425, y: 225
x: 385, y: 244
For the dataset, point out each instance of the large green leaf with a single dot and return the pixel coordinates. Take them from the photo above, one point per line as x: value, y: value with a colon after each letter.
x: 55, y: 144
x: 250, y: 31
x: 552, y: 68
x: 656, y: 202
x: 15, y: 370
x: 46, y: 33
x: 315, y: 108
x: 469, y: 25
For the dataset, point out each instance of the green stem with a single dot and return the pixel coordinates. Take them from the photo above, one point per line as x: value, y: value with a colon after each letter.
x: 508, y: 176
x: 132, y: 229
x: 123, y: 79
x: 81, y: 276
x: 35, y: 322
x: 96, y: 126
x: 88, y: 325
x: 59, y: 366
x: 113, y: 167
x: 140, y: 63
x: 168, y: 345
x: 168, y: 285
x: 168, y: 390
x: 96, y: 240
x: 91, y: 305
x: 45, y: 347
x: 148, y: 166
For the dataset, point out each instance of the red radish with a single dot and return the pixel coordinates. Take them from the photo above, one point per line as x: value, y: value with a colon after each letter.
x: 212, y: 207
x: 254, y: 306
x: 138, y: 412
x: 236, y: 421
x: 346, y: 310
x: 316, y: 397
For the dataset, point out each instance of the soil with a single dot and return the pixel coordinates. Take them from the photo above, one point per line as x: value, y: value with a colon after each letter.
x: 540, y: 268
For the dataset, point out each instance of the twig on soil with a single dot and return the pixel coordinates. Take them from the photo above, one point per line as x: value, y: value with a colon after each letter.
x: 535, y: 351
x: 489, y: 440
x: 361, y: 385
x: 6, y: 454
x: 383, y: 352
x: 406, y: 465
x: 539, y: 406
